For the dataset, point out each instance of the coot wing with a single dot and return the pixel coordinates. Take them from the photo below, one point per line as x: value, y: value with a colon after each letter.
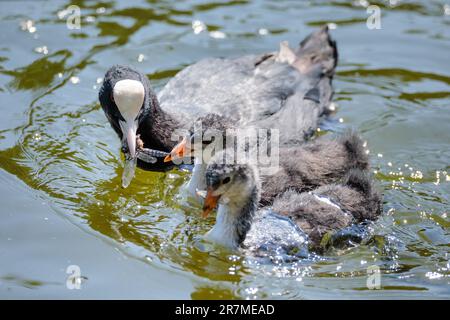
x: 263, y: 90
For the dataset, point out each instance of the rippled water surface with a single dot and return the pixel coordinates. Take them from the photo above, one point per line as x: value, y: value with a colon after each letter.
x: 61, y: 201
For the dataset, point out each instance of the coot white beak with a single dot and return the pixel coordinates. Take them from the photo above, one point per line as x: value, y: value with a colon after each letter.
x: 129, y: 134
x: 129, y: 98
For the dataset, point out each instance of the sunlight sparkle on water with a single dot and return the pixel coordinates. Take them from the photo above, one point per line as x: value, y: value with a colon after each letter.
x: 234, y: 258
x: 417, y: 175
x: 100, y: 10
x: 28, y: 25
x: 74, y: 80
x: 43, y: 50
x: 263, y: 32
x: 198, y: 26
x: 332, y: 26
x: 447, y: 9
x: 393, y: 3
x: 217, y: 35
x: 251, y: 290
x: 433, y: 275
x: 37, y: 136
x: 89, y: 19
x: 362, y: 3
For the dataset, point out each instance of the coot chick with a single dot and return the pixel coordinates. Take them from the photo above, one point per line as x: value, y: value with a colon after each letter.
x: 236, y: 189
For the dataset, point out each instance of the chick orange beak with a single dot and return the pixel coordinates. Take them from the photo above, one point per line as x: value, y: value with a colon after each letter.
x: 178, y: 152
x: 210, y: 203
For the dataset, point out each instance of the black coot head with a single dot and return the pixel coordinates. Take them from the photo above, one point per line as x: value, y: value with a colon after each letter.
x: 126, y: 98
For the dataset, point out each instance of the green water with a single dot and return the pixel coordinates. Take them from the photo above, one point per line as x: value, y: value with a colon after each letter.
x: 60, y: 168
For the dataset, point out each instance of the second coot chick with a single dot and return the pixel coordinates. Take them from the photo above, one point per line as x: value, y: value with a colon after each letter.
x: 236, y: 189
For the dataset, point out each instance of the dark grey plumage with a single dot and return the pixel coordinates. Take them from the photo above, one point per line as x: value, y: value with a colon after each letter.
x: 350, y: 202
x: 247, y: 214
x: 266, y: 91
x: 316, y: 163
x: 327, y: 210
x: 208, y: 127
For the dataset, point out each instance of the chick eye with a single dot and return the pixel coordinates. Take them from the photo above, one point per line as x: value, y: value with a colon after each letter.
x: 226, y: 180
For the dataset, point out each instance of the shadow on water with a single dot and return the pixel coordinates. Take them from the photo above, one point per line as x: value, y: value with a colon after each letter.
x: 65, y: 148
